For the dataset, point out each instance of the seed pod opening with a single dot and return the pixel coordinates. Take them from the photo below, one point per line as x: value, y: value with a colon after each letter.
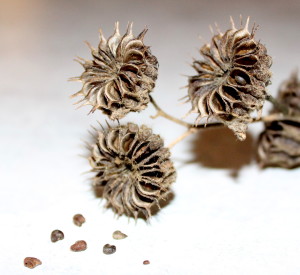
x: 231, y: 79
x: 133, y: 168
x: 120, y: 76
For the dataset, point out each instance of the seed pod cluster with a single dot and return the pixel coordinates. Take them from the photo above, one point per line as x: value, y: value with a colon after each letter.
x: 120, y: 76
x: 133, y: 168
x: 279, y: 144
x: 231, y: 80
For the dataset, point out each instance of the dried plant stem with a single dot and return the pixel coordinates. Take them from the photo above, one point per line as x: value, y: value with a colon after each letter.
x: 194, y: 128
x: 162, y: 113
x: 278, y: 105
x: 183, y: 136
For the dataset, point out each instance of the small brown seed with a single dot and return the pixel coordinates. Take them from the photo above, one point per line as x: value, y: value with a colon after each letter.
x: 118, y: 235
x: 146, y: 262
x: 109, y: 249
x: 57, y: 235
x: 78, y: 219
x: 31, y: 262
x: 79, y: 246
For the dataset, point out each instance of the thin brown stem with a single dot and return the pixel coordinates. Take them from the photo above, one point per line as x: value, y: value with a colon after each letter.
x: 183, y: 136
x: 191, y: 128
x: 278, y: 105
x: 162, y: 113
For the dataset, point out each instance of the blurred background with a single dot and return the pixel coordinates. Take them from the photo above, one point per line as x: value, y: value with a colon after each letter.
x: 226, y: 217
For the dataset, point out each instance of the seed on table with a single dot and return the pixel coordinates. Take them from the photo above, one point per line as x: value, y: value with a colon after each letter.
x: 31, y: 262
x: 146, y: 262
x: 79, y: 246
x: 118, y: 235
x: 78, y: 219
x: 109, y: 249
x: 57, y: 235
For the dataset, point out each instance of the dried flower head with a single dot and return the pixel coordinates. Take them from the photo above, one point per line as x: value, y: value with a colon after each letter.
x: 121, y: 75
x: 289, y: 94
x: 231, y: 80
x: 279, y: 144
x: 132, y: 167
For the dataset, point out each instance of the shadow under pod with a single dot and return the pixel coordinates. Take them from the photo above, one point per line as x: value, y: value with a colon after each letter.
x: 219, y: 148
x: 168, y: 198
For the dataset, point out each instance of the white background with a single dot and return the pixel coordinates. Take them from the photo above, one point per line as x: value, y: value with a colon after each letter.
x: 227, y: 216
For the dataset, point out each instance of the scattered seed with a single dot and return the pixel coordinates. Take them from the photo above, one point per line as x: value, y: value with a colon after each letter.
x: 79, y: 246
x: 109, y: 249
x: 31, y: 262
x: 118, y: 235
x: 78, y: 219
x: 57, y: 235
x: 146, y: 262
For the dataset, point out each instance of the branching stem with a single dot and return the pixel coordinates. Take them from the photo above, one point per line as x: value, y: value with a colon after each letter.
x: 191, y: 128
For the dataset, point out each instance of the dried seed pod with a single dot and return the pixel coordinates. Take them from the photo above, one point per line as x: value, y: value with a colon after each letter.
x: 121, y: 75
x: 279, y: 144
x: 118, y: 235
x: 231, y: 80
x: 132, y: 168
x: 289, y: 94
x: 32, y: 262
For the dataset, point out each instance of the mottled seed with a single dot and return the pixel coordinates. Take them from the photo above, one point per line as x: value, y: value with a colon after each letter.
x: 57, y: 235
x: 78, y: 219
x: 79, y: 246
x: 240, y: 80
x: 109, y: 249
x: 118, y: 235
x: 31, y: 262
x: 146, y: 262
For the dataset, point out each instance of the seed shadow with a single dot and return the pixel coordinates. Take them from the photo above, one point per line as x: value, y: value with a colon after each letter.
x: 219, y: 148
x: 165, y: 201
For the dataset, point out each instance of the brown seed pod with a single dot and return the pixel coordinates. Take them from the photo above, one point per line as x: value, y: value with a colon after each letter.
x: 121, y: 75
x: 132, y: 168
x: 289, y: 94
x: 231, y: 80
x: 279, y: 144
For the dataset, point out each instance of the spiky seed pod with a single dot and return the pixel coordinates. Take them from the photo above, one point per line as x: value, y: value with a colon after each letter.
x: 133, y: 168
x: 120, y: 76
x: 289, y: 94
x: 231, y: 80
x: 279, y: 144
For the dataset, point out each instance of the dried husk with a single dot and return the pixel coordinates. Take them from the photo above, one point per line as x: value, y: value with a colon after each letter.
x: 120, y: 76
x: 289, y: 94
x: 231, y: 80
x: 279, y: 144
x: 133, y: 168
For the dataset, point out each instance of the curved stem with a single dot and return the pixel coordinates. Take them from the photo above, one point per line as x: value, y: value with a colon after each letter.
x: 278, y: 105
x: 183, y: 136
x: 162, y: 113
